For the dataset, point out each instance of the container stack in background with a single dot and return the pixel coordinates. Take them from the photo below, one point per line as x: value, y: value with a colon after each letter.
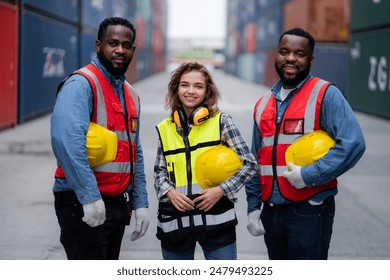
x: 47, y: 40
x: 368, y: 86
x: 352, y: 44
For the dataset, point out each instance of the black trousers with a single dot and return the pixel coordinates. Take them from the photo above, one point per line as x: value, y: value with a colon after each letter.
x: 82, y: 242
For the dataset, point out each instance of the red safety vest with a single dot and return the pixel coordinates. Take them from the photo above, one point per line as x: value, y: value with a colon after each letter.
x: 302, y: 116
x: 113, y: 178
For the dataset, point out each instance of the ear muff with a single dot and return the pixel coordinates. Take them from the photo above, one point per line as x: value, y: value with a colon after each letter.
x: 180, y: 118
x: 199, y: 115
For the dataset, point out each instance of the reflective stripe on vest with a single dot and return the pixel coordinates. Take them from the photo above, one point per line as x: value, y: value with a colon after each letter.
x: 113, y: 178
x: 180, y: 159
x: 302, y: 116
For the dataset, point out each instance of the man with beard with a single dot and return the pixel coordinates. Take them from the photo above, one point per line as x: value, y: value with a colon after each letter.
x: 95, y: 196
x: 298, y: 201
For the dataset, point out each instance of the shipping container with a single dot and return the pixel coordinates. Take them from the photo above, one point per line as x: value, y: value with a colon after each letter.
x: 48, y: 52
x: 144, y: 64
x: 246, y: 12
x: 63, y: 10
x: 263, y: 6
x: 230, y: 65
x: 270, y: 74
x: 368, y: 82
x: 94, y: 12
x: 259, y: 67
x: 87, y: 45
x: 369, y: 14
x: 246, y: 66
x: 325, y: 20
x: 269, y: 28
x: 331, y: 63
x: 8, y: 65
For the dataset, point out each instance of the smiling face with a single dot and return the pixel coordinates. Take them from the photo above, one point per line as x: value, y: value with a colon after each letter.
x: 293, y: 60
x: 116, y: 49
x: 191, y: 90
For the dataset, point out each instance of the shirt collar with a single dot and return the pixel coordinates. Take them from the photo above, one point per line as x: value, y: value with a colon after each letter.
x: 278, y: 85
x: 107, y: 74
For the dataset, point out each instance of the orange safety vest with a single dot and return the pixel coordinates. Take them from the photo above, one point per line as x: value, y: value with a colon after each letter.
x: 302, y: 116
x: 113, y: 178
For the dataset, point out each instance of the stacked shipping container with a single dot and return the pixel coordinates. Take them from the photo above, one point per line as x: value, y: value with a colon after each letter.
x: 368, y: 86
x: 56, y: 37
x: 254, y: 28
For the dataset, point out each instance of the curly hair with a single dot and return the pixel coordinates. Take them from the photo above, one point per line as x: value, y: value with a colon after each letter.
x: 212, y: 96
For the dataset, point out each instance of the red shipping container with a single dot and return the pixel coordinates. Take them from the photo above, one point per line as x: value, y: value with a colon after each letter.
x: 8, y: 65
x: 325, y: 20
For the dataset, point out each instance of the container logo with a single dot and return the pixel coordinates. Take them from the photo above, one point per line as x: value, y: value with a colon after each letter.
x: 378, y: 77
x: 54, y: 63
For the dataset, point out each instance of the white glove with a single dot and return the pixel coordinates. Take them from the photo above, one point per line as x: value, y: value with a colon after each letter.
x: 255, y: 226
x: 94, y: 213
x: 141, y: 223
x: 294, y: 176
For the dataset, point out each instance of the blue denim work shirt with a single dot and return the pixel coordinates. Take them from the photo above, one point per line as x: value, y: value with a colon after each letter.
x: 69, y: 124
x: 339, y: 121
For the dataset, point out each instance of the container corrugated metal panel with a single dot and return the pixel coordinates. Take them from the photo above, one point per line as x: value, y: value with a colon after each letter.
x: 263, y: 6
x: 246, y: 66
x: 270, y: 75
x: 368, y: 83
x: 48, y: 52
x: 260, y: 67
x: 246, y: 12
x: 87, y: 46
x: 94, y: 12
x: 326, y: 20
x: 230, y: 65
x: 62, y: 9
x: 144, y: 64
x: 369, y: 14
x: 232, y: 43
x: 8, y: 65
x: 144, y: 24
x: 331, y: 63
x: 269, y: 28
x: 123, y: 8
x: 250, y: 37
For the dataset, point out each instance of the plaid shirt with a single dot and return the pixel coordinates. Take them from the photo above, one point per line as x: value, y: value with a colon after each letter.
x: 231, y: 137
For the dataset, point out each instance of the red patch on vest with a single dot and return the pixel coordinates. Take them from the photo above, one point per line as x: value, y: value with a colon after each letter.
x: 293, y: 126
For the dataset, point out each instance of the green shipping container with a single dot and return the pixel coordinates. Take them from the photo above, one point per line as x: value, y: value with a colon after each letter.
x: 368, y: 86
x: 369, y: 14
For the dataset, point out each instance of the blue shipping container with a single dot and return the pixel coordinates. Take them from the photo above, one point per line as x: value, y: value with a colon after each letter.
x: 87, y: 46
x: 331, y: 63
x: 48, y: 52
x: 268, y: 29
x: 61, y: 9
x: 94, y: 12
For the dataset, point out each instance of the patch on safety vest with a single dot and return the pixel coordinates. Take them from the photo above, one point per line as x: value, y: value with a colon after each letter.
x: 293, y: 126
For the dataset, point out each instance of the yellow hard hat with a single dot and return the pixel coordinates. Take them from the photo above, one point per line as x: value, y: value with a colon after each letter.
x: 216, y: 165
x: 309, y: 148
x: 101, y: 145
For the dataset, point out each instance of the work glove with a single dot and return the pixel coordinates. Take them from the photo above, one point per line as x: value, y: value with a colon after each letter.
x: 255, y: 226
x: 141, y: 223
x: 294, y: 175
x: 94, y: 213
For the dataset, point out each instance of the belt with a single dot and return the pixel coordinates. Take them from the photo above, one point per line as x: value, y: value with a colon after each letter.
x: 65, y: 195
x: 328, y: 200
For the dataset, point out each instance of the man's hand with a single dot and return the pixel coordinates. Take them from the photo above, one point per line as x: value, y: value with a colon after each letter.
x: 141, y: 223
x: 255, y: 226
x: 94, y: 213
x: 294, y: 176
x: 180, y: 201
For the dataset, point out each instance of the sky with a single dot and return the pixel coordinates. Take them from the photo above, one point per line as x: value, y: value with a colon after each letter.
x: 196, y: 18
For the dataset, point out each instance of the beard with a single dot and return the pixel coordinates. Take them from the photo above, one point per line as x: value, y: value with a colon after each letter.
x: 294, y: 80
x: 117, y: 71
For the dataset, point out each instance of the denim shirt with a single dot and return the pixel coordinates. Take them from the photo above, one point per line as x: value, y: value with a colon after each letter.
x: 69, y: 124
x: 339, y: 121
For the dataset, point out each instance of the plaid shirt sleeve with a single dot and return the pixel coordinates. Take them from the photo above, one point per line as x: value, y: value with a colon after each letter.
x: 231, y: 137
